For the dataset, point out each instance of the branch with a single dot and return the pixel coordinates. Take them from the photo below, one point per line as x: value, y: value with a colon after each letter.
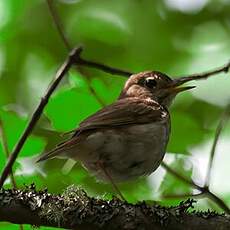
x: 181, y: 177
x: 59, y: 27
x: 204, y: 75
x: 182, y: 196
x: 104, y: 68
x: 58, y: 24
x: 204, y: 190
x: 75, y: 210
x: 111, y: 70
x: 72, y: 58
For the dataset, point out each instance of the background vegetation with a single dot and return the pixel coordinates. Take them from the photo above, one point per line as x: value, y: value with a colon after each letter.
x: 172, y: 36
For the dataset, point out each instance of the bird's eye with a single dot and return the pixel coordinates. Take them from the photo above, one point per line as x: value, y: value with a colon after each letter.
x: 150, y: 83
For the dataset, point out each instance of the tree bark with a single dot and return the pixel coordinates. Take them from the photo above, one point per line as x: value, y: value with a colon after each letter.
x: 75, y: 210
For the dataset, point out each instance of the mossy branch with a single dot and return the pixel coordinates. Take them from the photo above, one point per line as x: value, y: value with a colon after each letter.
x: 74, y: 209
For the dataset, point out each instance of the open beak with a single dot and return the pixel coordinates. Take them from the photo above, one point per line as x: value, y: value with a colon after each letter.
x: 176, y: 90
x: 175, y: 87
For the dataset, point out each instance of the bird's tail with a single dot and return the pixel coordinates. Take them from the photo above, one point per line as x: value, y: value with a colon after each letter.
x: 49, y: 155
x: 59, y: 151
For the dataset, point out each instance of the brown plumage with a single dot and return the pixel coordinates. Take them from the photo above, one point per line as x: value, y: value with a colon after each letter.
x: 128, y: 137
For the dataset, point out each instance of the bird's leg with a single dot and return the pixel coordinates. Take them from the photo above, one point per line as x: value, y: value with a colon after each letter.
x: 100, y: 164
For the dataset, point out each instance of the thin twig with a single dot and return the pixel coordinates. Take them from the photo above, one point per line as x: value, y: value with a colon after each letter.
x: 7, y: 153
x: 116, y: 71
x: 59, y: 27
x: 72, y: 58
x: 58, y: 24
x: 104, y: 68
x: 204, y: 75
x: 224, y: 118
x: 218, y: 201
x: 203, y: 190
x: 181, y: 196
x: 181, y: 177
x: 112, y: 70
x: 209, y: 194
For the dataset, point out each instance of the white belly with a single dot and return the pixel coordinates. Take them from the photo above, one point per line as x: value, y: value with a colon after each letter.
x: 128, y: 152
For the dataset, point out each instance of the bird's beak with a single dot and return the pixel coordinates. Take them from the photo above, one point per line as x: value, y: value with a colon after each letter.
x: 175, y: 87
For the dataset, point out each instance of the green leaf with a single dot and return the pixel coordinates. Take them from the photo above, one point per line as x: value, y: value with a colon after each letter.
x: 13, y: 126
x: 108, y: 91
x: 185, y: 132
x: 171, y: 185
x: 103, y: 26
x: 35, y: 144
x: 2, y: 157
x: 68, y: 107
x: 78, y: 81
x: 9, y: 226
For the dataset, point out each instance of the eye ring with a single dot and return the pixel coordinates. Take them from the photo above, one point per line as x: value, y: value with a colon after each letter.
x: 150, y: 83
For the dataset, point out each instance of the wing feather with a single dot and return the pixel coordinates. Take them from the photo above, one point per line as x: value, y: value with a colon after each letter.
x: 123, y: 112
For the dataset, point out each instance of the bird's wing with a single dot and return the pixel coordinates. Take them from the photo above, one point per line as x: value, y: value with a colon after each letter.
x: 123, y: 112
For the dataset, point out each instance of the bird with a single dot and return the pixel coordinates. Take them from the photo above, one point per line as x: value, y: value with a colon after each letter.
x: 128, y: 138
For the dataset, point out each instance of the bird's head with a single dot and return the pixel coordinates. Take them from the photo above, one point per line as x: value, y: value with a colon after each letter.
x: 154, y: 85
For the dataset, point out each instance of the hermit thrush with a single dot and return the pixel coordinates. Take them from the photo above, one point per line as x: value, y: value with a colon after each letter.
x: 128, y: 138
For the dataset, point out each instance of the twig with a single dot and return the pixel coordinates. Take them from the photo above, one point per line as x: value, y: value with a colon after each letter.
x: 204, y: 190
x: 204, y: 75
x: 181, y: 80
x: 59, y: 27
x: 222, y: 122
x: 116, y: 71
x: 7, y: 152
x: 181, y: 177
x: 58, y: 24
x: 81, y: 61
x: 218, y: 201
x: 72, y: 58
x: 104, y: 68
x: 181, y: 196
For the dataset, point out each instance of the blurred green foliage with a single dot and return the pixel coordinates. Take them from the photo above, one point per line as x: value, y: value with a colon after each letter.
x: 135, y: 35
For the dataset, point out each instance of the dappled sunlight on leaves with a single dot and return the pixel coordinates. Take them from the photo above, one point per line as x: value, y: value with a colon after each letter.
x: 220, y: 175
x: 102, y: 25
x: 186, y: 6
